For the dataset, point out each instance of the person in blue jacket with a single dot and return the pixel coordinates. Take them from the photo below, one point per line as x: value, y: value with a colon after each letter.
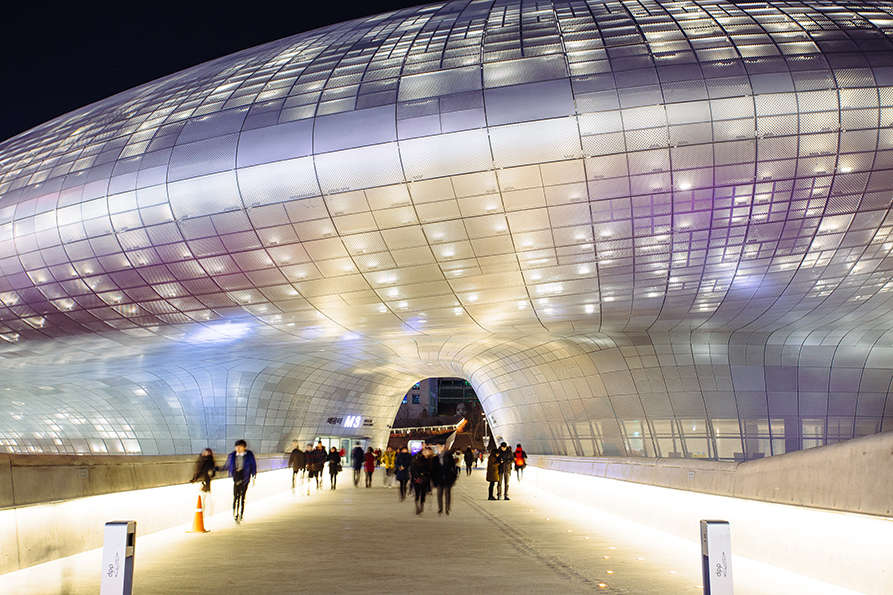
x: 242, y: 468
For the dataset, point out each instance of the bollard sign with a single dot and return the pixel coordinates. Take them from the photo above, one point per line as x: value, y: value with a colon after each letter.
x: 117, y: 558
x: 716, y: 557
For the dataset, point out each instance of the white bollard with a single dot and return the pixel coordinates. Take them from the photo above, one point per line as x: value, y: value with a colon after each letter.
x: 117, y: 558
x: 716, y: 557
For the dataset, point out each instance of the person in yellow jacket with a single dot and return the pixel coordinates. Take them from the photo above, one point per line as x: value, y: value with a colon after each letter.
x: 388, y: 458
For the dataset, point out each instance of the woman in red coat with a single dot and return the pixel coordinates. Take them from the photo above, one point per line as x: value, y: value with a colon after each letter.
x: 369, y: 466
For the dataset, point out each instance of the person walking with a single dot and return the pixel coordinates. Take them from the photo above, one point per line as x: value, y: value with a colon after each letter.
x: 505, y: 472
x: 242, y: 467
x: 388, y: 458
x: 308, y: 451
x: 317, y: 463
x: 369, y: 465
x: 357, y: 458
x: 469, y: 460
x: 422, y: 467
x: 493, y: 470
x: 402, y: 463
x: 297, y: 461
x: 205, y: 469
x: 444, y: 475
x: 520, y: 461
x: 334, y: 467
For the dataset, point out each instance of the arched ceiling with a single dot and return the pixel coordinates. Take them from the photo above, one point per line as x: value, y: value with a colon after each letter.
x: 619, y: 220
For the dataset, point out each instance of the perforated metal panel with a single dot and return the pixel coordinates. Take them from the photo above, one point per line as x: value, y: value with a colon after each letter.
x: 638, y: 228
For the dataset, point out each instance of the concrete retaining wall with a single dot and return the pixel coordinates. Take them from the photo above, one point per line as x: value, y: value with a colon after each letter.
x: 57, y: 506
x: 33, y: 479
x: 851, y: 476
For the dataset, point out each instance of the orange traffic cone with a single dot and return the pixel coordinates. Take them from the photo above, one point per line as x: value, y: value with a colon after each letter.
x: 198, y: 522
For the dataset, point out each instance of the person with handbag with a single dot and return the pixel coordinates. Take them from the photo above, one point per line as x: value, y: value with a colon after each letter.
x: 334, y: 467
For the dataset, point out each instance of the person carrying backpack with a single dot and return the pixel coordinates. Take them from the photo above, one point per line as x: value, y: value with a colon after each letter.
x: 520, y: 461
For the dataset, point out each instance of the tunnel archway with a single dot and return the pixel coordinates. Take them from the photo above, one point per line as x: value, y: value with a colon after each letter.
x: 252, y: 266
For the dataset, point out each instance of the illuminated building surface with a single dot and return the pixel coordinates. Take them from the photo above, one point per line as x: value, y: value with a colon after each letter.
x: 655, y: 229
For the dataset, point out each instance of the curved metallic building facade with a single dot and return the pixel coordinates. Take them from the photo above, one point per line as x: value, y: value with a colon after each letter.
x: 638, y: 228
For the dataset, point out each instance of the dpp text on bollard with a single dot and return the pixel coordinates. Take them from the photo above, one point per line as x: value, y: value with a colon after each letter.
x: 117, y: 558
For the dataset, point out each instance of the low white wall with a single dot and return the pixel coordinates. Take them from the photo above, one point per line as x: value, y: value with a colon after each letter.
x: 39, y: 533
x: 844, y: 549
x: 851, y: 476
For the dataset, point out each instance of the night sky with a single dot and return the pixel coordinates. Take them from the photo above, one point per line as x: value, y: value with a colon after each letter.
x: 59, y: 57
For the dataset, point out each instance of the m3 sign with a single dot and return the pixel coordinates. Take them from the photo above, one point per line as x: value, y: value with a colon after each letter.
x: 351, y: 421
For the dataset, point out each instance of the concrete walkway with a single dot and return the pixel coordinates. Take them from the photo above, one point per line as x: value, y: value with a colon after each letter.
x: 358, y: 540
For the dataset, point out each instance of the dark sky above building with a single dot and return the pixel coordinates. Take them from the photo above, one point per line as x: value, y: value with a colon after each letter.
x: 57, y: 57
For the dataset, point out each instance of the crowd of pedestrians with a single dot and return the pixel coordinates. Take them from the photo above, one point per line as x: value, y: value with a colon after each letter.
x: 432, y: 468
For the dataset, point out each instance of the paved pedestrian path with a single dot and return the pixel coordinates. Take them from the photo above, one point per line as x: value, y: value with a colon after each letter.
x: 359, y: 540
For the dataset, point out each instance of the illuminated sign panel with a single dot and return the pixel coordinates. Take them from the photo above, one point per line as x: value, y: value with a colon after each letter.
x: 351, y: 421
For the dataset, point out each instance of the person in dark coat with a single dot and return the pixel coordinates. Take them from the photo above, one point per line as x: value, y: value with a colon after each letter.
x: 308, y: 450
x: 297, y: 461
x: 242, y: 468
x: 402, y: 463
x: 357, y: 458
x: 506, y: 460
x: 334, y: 466
x: 205, y: 469
x: 317, y: 462
x: 369, y: 460
x: 421, y: 470
x: 469, y: 460
x: 493, y: 469
x: 444, y: 475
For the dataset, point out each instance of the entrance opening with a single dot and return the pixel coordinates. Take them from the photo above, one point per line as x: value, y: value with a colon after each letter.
x: 435, y: 410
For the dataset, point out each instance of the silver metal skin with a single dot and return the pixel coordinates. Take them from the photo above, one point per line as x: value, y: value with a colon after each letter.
x: 638, y: 228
